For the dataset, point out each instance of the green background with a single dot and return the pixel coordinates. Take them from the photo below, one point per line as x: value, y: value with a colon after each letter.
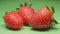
x: 9, y: 5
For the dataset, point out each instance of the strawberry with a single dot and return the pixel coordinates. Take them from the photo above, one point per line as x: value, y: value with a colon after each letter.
x: 13, y: 20
x: 41, y: 19
x: 26, y: 12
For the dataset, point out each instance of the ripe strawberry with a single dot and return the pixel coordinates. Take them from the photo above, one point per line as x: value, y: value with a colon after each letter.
x: 26, y: 12
x: 13, y: 20
x: 41, y: 19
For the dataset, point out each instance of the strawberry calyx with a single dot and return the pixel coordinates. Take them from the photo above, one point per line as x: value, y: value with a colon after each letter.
x: 53, y: 11
x: 30, y: 5
x: 6, y: 12
x: 54, y: 21
x: 47, y: 7
x: 25, y: 4
x: 21, y: 5
x: 17, y: 8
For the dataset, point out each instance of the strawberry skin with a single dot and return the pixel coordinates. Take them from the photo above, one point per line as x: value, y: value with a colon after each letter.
x: 41, y: 19
x: 26, y: 12
x: 13, y: 20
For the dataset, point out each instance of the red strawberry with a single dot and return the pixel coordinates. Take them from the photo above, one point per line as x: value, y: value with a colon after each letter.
x: 41, y: 19
x: 26, y: 12
x: 13, y: 20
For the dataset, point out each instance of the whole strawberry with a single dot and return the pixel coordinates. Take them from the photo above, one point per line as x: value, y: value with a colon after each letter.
x: 42, y: 19
x: 13, y: 20
x: 26, y: 12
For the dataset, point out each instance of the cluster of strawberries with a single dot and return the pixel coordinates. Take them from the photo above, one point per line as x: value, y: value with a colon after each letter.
x: 41, y: 19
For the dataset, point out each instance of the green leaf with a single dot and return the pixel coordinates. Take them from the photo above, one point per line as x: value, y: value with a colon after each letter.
x: 53, y: 10
x: 21, y: 5
x: 47, y: 7
x: 25, y: 4
x: 17, y: 8
x: 30, y: 5
x: 55, y: 21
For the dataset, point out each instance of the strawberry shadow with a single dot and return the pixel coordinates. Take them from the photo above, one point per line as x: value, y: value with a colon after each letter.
x: 12, y: 29
x: 43, y: 29
x: 26, y: 25
x: 40, y: 29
